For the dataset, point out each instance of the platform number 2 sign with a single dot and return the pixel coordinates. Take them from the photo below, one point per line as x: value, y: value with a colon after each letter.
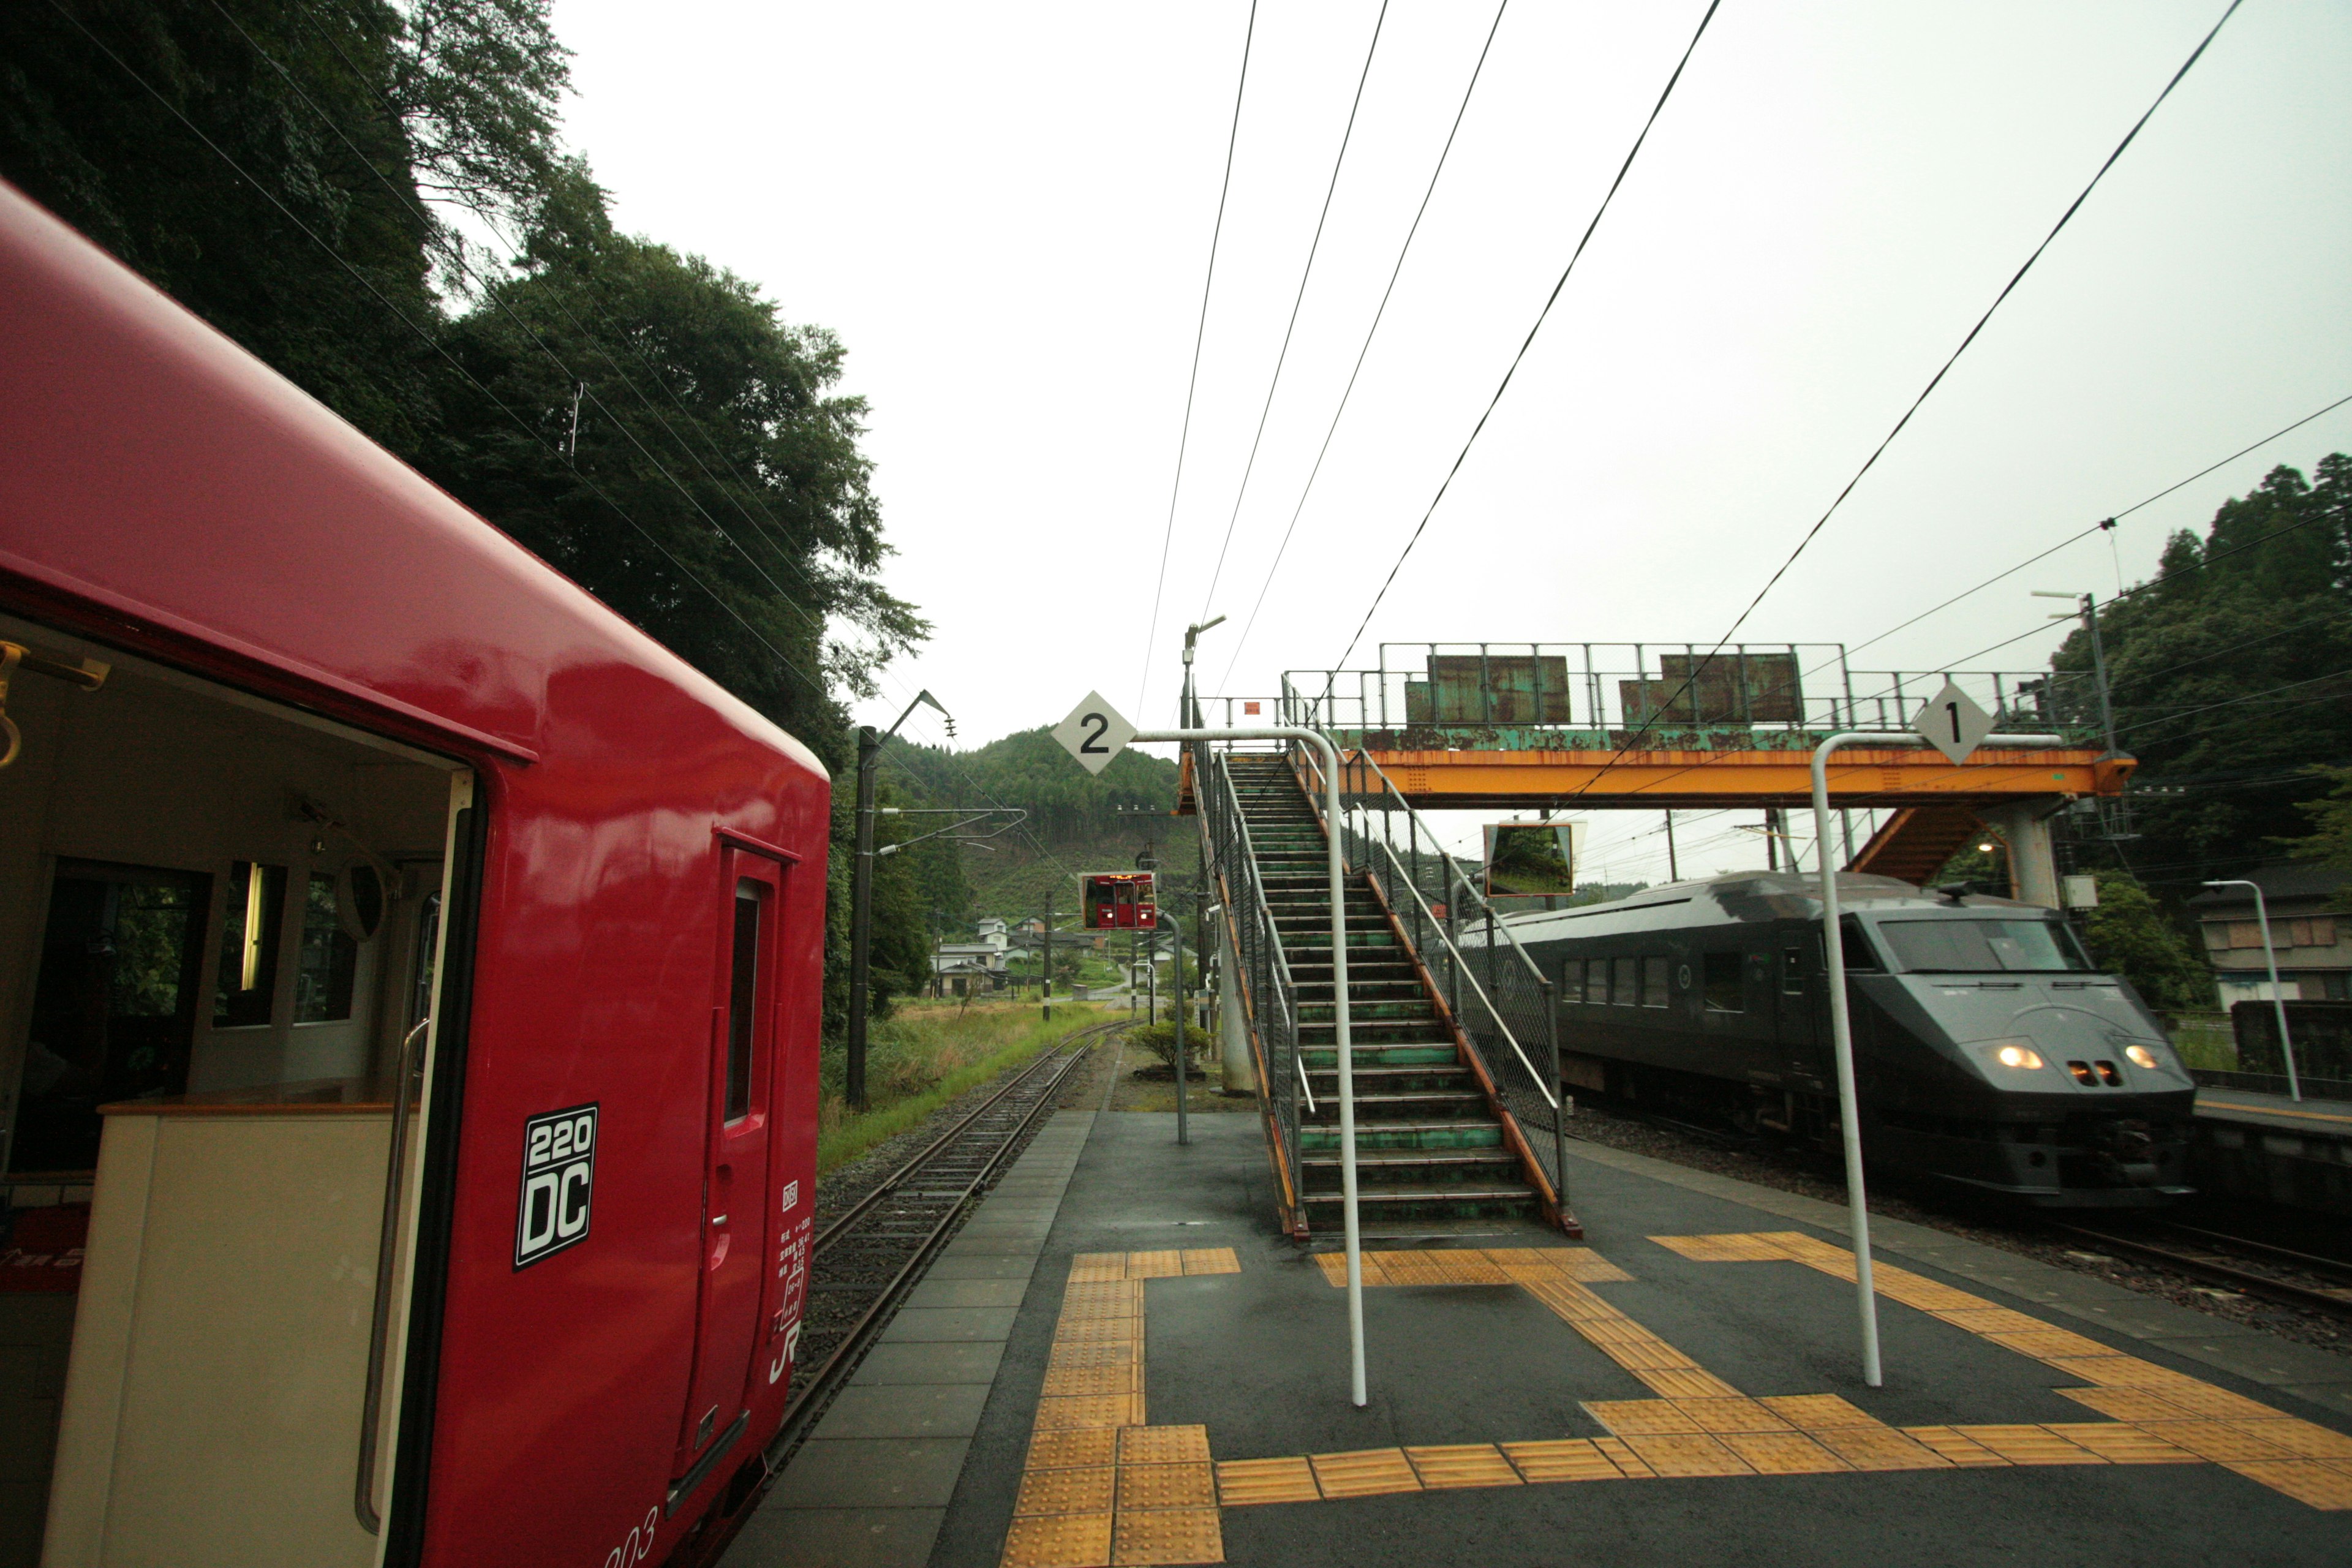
x: 559, y: 1178
x: 1093, y: 733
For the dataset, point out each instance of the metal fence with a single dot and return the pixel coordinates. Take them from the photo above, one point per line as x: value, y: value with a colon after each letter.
x: 1526, y: 694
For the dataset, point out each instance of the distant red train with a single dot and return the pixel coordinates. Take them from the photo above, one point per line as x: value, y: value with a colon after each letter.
x: 422, y: 964
x: 1118, y: 900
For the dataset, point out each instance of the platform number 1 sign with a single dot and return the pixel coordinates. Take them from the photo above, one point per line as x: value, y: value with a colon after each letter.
x: 559, y: 1178
x: 1953, y: 723
x: 1093, y: 733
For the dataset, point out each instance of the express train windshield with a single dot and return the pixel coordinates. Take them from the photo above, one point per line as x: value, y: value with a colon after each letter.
x: 1981, y: 946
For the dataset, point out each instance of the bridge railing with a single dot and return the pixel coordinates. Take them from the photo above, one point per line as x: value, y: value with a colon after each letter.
x: 1270, y: 993
x: 1499, y: 997
x: 1525, y: 695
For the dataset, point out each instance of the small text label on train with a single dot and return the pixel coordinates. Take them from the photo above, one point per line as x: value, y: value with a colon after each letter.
x: 559, y: 1178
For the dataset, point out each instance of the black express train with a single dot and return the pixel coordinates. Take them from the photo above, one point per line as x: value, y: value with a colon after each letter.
x: 1987, y: 1051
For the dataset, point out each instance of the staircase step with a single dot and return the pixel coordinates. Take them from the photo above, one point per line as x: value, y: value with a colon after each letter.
x: 1462, y: 1132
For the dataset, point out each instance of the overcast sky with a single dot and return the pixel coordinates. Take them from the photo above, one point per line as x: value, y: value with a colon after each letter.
x: 1005, y: 214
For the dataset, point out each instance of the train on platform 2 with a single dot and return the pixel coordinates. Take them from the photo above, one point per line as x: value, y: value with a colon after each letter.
x: 1989, y: 1054
x: 420, y: 965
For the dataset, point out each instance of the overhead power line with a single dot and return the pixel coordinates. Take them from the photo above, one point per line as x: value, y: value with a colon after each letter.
x: 1527, y: 343
x: 1348, y: 391
x: 1192, y: 382
x: 1297, y: 299
x: 1700, y: 667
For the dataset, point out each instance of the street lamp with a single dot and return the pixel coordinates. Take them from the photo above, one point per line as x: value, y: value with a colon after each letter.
x: 861, y: 893
x: 2278, y: 998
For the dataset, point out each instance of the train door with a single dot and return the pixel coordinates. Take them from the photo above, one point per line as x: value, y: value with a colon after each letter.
x: 735, y: 1177
x: 1800, y: 1022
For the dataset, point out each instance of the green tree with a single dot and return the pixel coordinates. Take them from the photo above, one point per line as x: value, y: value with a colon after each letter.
x: 2331, y: 817
x: 2129, y: 934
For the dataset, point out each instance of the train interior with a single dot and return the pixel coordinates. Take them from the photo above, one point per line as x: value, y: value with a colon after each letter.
x: 218, y: 929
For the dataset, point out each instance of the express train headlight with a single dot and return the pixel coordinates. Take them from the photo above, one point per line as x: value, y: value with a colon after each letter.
x: 2019, y: 1057
x: 2141, y: 1056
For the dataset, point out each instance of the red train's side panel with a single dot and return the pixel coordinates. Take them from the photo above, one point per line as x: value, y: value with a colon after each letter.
x: 603, y: 1220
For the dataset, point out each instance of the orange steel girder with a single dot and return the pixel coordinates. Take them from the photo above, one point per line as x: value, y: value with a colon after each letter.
x: 1858, y: 777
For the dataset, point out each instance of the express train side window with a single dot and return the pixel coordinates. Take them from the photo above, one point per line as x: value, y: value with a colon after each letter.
x: 1596, y: 981
x: 1624, y: 983
x: 1725, y: 991
x: 1654, y: 981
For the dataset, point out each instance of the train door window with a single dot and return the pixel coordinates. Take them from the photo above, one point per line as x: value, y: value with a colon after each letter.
x: 742, y: 1009
x: 1624, y: 982
x: 1654, y: 981
x: 327, y: 965
x: 113, y: 1004
x: 1725, y: 993
x: 1596, y: 981
x: 250, y: 923
x: 1792, y: 969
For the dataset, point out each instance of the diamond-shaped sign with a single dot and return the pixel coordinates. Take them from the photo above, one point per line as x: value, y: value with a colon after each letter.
x: 1953, y: 723
x: 1093, y: 733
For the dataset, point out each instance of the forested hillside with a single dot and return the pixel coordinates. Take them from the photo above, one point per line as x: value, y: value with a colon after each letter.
x: 374, y: 198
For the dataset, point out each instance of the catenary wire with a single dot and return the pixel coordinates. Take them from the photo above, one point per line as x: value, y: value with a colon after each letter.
x: 1937, y: 380
x: 1529, y: 342
x: 1305, y: 273
x: 1348, y: 391
x: 1192, y: 383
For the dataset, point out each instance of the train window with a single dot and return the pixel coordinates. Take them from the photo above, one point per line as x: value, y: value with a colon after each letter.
x: 1653, y: 981
x: 742, y: 997
x: 1624, y: 988
x: 1856, y: 947
x: 1981, y: 946
x: 248, y: 952
x: 1792, y: 969
x: 1596, y: 981
x: 327, y: 963
x: 1725, y: 993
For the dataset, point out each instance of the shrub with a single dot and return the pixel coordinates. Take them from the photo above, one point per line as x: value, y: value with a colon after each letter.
x: 1159, y: 1040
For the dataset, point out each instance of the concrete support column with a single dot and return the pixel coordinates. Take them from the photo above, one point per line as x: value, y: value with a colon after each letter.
x: 1233, y: 1030
x: 2032, y: 866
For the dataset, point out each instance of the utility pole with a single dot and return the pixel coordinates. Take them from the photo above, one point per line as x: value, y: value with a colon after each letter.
x: 861, y: 896
x: 1045, y: 974
x: 2086, y: 605
x: 1771, y: 837
x: 1674, y: 866
x: 1176, y: 927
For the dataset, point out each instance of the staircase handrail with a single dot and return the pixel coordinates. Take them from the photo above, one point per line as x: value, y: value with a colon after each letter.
x: 1461, y: 877
x: 1550, y: 1097
x: 1257, y: 890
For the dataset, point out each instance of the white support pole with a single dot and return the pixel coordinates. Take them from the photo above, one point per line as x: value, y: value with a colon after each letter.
x: 1842, y: 1023
x: 2278, y: 998
x: 1337, y: 863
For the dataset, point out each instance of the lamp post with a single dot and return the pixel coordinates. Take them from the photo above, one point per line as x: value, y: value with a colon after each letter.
x: 861, y: 893
x: 2278, y: 998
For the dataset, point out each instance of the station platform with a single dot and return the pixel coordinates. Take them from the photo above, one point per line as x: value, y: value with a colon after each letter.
x: 1120, y: 1361
x: 2293, y: 1154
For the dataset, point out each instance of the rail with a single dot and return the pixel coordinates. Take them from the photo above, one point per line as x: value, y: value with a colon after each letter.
x: 1515, y: 1004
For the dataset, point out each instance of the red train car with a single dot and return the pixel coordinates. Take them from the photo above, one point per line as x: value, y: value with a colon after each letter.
x: 1118, y: 900
x: 421, y: 963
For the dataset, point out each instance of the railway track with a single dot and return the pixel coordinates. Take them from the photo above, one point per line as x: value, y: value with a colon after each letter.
x: 870, y: 1254
x: 2291, y: 1278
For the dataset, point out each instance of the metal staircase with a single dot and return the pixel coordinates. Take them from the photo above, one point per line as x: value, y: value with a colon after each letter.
x: 1437, y: 1150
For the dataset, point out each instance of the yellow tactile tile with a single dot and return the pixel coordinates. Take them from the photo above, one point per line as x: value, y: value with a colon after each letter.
x: 1646, y: 1354
x: 2133, y: 1404
x: 2319, y: 1483
x: 1095, y: 1352
x: 1953, y: 1445
x: 1562, y: 1459
x: 2043, y: 1343
x: 1627, y: 1461
x: 1365, y: 1472
x: 1089, y: 1410
x: 2121, y: 1372
x: 1245, y: 1481
x: 2303, y: 1438
x: 1590, y: 1267
x: 2223, y: 1442
x: 1992, y: 1321
x: 1628, y: 1416
x: 1455, y: 1465
x: 1814, y: 1412
x: 1781, y: 1453
x: 1878, y: 1449
x: 1163, y: 1446
x: 1162, y: 1265
x: 1098, y: 1331
x: 1073, y: 1449
x: 1736, y: 1414
x: 1687, y: 1383
x: 2120, y: 1443
x: 2208, y: 1402
x: 1097, y: 1265
x: 1724, y: 1249
x: 1211, y: 1260
x: 1166, y: 1486
x: 2028, y: 1444
x: 1167, y: 1535
x: 1058, y: 1540
x: 1687, y: 1453
x: 1065, y: 1491
x: 1064, y: 1382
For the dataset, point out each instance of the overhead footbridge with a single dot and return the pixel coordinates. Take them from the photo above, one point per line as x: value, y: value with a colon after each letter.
x: 1589, y: 726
